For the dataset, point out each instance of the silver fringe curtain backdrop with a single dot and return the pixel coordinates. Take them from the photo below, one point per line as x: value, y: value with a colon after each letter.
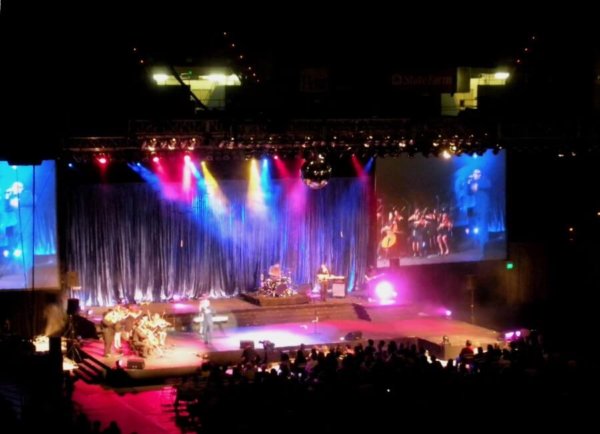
x: 128, y: 242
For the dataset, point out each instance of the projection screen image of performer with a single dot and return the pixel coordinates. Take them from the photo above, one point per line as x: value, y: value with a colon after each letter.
x: 16, y: 220
x: 435, y: 211
x: 478, y: 190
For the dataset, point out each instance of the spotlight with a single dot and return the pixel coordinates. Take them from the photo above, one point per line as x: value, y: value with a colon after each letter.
x: 514, y: 335
x: 385, y: 292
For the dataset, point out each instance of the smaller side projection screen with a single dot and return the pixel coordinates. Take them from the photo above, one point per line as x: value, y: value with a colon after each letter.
x: 28, y: 244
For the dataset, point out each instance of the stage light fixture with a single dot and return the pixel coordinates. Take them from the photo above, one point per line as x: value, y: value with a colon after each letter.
x: 385, y: 292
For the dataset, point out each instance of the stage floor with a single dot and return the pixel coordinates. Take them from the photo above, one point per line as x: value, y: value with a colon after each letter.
x: 185, y: 352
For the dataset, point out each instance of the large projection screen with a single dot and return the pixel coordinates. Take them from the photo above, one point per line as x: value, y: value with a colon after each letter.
x: 435, y: 210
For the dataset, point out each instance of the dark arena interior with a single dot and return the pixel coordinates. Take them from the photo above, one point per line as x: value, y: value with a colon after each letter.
x: 257, y: 231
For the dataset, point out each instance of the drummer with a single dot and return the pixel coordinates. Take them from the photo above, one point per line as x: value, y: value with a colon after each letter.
x: 275, y: 271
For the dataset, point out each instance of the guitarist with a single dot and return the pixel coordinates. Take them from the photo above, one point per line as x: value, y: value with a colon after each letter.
x: 371, y: 276
x: 323, y: 276
x: 371, y: 273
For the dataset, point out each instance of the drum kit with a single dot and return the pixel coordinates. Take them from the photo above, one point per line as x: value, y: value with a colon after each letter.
x: 277, y: 286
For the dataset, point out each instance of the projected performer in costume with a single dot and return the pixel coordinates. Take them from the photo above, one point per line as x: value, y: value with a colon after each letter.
x: 444, y: 231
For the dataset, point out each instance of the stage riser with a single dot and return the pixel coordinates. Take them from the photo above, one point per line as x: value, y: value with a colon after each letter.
x: 296, y: 314
x: 387, y: 313
x: 272, y: 315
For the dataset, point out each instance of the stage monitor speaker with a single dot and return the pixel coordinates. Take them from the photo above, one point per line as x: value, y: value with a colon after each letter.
x: 72, y: 306
x: 136, y: 363
x: 353, y: 336
x: 246, y: 344
x: 338, y: 290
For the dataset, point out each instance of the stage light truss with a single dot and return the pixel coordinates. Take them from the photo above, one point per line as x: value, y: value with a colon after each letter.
x: 212, y: 140
x: 252, y: 147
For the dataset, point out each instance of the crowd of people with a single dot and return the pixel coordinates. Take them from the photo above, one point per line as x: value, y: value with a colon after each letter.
x: 383, y: 385
x: 355, y: 386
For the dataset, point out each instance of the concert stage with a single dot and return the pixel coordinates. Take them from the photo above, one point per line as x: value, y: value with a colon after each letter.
x: 287, y: 327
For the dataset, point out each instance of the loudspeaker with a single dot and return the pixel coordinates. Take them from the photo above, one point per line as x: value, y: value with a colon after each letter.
x: 246, y: 344
x: 338, y: 290
x: 72, y: 306
x: 471, y: 283
x: 55, y: 351
x: 353, y: 336
x: 72, y: 279
x: 136, y: 363
x: 55, y: 375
